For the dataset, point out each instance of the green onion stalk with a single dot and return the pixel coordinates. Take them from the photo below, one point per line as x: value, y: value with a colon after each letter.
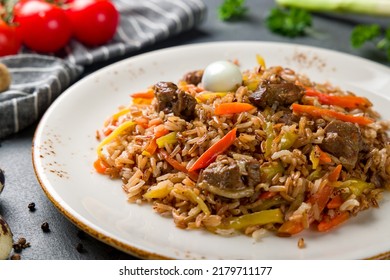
x: 370, y: 7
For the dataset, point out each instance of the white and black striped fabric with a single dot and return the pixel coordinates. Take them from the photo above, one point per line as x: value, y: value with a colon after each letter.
x: 37, y: 80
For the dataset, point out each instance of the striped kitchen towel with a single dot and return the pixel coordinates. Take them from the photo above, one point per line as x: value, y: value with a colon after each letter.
x: 37, y: 80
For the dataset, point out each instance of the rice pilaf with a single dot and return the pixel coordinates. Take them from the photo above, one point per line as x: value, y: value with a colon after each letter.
x: 278, y: 153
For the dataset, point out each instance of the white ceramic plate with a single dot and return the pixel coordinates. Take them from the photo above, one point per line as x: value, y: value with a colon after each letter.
x: 64, y: 151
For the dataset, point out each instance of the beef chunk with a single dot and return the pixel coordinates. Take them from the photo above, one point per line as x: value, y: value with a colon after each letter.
x: 230, y: 178
x: 270, y: 93
x: 170, y: 99
x: 253, y: 170
x: 224, y: 176
x: 194, y: 77
x: 343, y: 140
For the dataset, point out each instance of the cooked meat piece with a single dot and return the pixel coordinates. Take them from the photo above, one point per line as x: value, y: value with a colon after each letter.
x: 230, y: 178
x: 343, y: 140
x: 173, y: 100
x: 224, y: 176
x: 269, y: 93
x: 289, y: 118
x: 194, y: 77
x: 253, y: 170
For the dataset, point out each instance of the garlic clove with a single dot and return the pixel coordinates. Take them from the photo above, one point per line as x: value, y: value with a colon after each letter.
x: 6, y: 239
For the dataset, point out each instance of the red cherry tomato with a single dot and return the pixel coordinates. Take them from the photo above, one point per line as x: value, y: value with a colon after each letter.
x: 10, y: 41
x: 44, y: 27
x: 94, y: 22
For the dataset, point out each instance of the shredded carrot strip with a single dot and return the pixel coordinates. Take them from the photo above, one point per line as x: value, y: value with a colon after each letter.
x: 149, y: 94
x: 320, y: 112
x: 335, y: 174
x: 232, y: 108
x: 290, y: 228
x: 327, y: 224
x: 347, y: 101
x: 216, y: 149
x: 177, y: 165
x: 99, y: 166
x: 335, y: 202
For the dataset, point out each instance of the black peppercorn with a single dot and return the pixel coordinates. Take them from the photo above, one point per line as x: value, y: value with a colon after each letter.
x: 45, y: 227
x: 31, y: 206
x: 80, y: 248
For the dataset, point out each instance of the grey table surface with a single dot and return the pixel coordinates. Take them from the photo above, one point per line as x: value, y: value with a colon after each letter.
x: 22, y: 187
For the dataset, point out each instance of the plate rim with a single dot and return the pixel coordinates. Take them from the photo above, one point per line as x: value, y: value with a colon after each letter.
x: 112, y: 241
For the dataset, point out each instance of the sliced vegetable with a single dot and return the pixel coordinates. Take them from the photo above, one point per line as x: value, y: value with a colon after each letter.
x: 216, y: 149
x: 160, y: 190
x: 99, y: 166
x: 347, y: 101
x: 232, y: 108
x: 151, y: 148
x: 267, y: 195
x: 321, y: 197
x: 260, y: 61
x: 167, y: 139
x: 289, y: 228
x: 320, y: 112
x: 177, y: 165
x: 335, y: 202
x: 209, y: 95
x: 287, y: 140
x: 118, y: 131
x: 356, y: 186
x: 196, y: 199
x: 335, y: 173
x: 269, y: 170
x: 329, y: 223
x: 145, y: 94
x: 264, y: 217
x: 317, y: 157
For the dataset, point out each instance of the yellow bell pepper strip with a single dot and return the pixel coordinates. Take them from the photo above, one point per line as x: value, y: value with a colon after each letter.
x: 160, y: 190
x: 328, y: 223
x: 196, y: 199
x: 287, y: 140
x: 272, y: 216
x: 208, y: 95
x: 232, y: 108
x: 177, y: 165
x: 344, y: 101
x: 216, y: 149
x: 117, y: 131
x: 260, y: 61
x: 289, y: 228
x: 169, y: 138
x: 357, y: 187
x: 320, y: 112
